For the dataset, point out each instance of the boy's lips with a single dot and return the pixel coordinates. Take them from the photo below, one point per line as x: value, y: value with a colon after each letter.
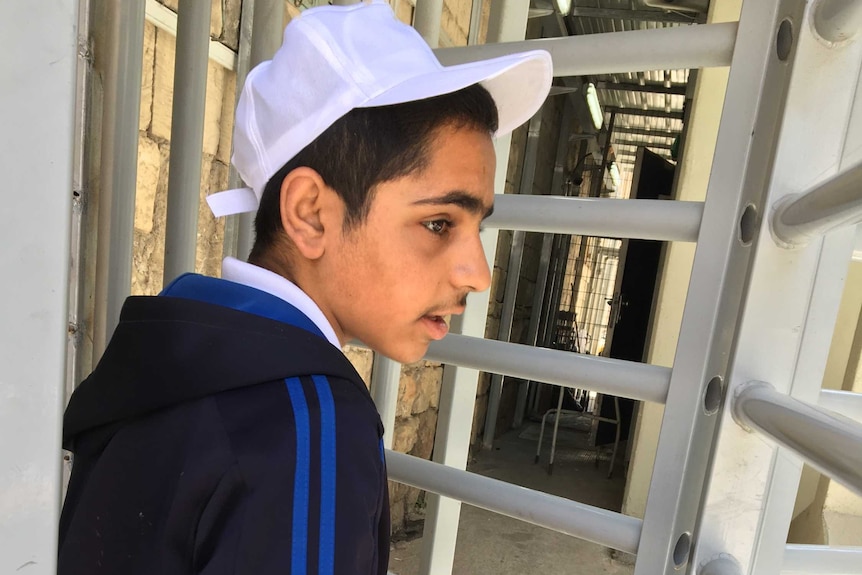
x: 436, y: 326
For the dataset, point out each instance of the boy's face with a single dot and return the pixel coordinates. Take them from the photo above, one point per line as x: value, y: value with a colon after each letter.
x: 392, y: 280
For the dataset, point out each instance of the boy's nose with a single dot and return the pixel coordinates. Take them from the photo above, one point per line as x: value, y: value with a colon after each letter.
x: 471, y: 269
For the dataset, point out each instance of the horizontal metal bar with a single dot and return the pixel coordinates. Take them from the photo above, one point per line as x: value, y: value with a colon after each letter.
x: 822, y: 560
x: 639, y: 15
x: 847, y: 403
x: 665, y: 220
x: 674, y: 115
x: 165, y: 19
x: 833, y: 204
x: 677, y: 89
x: 663, y: 145
x: 601, y: 526
x: 564, y: 368
x: 677, y: 48
x: 837, y: 21
x: 645, y: 132
x: 829, y: 442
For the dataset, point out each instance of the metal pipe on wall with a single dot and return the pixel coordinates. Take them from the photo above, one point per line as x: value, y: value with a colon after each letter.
x: 513, y: 275
x: 267, y: 28
x: 825, y: 440
x: 119, y: 165
x: 706, y: 45
x: 822, y: 560
x: 187, y: 137
x: 837, y: 21
x: 426, y: 20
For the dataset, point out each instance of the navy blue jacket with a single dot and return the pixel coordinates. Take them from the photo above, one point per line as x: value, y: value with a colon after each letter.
x: 222, y: 434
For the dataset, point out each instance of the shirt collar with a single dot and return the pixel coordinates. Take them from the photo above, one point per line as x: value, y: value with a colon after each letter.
x: 259, y: 278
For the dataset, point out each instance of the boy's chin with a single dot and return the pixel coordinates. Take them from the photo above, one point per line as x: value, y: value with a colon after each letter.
x: 404, y: 354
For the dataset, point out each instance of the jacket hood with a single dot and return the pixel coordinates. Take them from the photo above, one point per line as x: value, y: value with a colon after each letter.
x: 167, y: 350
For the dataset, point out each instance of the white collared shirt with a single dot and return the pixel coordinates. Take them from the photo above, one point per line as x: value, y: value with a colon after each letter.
x: 256, y: 277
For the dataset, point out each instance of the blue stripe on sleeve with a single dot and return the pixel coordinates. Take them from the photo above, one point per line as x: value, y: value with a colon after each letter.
x: 299, y: 550
x: 326, y: 558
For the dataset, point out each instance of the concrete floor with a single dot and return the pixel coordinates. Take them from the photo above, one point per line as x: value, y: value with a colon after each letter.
x: 489, y: 543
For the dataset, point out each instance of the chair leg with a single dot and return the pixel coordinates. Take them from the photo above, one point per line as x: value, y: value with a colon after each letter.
x: 541, y: 436
x: 616, y: 437
x: 556, y: 427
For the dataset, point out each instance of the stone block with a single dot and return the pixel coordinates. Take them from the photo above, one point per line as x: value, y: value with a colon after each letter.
x: 404, y: 11
x: 216, y: 19
x: 147, y: 69
x: 231, y: 15
x: 407, y: 391
x: 227, y: 117
x: 428, y: 388
x: 362, y: 359
x: 146, y: 186
x: 148, y: 252
x: 210, y: 238
x: 425, y: 432
x: 213, y: 109
x: 163, y: 85
x: 406, y: 431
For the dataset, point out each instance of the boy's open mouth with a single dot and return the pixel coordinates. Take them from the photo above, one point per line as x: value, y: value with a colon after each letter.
x: 436, y: 325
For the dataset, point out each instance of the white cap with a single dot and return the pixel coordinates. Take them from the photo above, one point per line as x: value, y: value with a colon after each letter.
x: 336, y: 58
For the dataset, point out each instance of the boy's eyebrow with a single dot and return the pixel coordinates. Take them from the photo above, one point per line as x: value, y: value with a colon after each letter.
x: 461, y: 199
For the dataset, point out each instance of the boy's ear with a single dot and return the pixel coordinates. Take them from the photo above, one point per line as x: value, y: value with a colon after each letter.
x: 304, y: 199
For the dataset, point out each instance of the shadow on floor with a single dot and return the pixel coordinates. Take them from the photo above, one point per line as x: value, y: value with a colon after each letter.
x: 489, y: 543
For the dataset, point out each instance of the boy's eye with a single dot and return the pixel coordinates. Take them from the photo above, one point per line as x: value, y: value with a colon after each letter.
x: 437, y: 226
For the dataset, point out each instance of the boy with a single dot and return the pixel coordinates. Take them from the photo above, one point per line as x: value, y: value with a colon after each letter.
x: 224, y: 431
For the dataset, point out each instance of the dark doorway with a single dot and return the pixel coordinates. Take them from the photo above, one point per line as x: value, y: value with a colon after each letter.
x: 633, y: 298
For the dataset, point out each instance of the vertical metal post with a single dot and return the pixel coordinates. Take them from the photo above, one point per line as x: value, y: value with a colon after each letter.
x: 756, y: 89
x: 38, y: 119
x: 426, y: 20
x: 458, y: 390
x: 243, y: 65
x: 80, y: 193
x: 265, y: 40
x: 513, y: 275
x: 545, y: 257
x: 187, y: 137
x: 119, y: 165
x: 475, y: 21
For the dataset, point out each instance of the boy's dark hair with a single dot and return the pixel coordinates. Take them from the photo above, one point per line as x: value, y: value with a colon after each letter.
x: 368, y: 146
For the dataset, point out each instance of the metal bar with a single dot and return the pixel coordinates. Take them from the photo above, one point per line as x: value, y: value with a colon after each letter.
x: 38, y: 118
x: 426, y: 20
x: 545, y: 256
x: 678, y: 89
x: 833, y: 204
x: 674, y: 115
x: 594, y: 524
x: 610, y: 376
x: 475, y: 21
x: 75, y: 357
x: 666, y: 220
x: 119, y: 165
x: 706, y: 45
x: 243, y: 65
x: 507, y: 21
x: 663, y: 145
x: 837, y: 21
x: 637, y: 15
x: 757, y: 86
x: 833, y: 445
x: 646, y: 132
x: 513, y: 275
x: 165, y: 19
x: 385, y: 378
x: 847, y: 403
x: 265, y: 40
x: 822, y: 560
x: 187, y: 137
